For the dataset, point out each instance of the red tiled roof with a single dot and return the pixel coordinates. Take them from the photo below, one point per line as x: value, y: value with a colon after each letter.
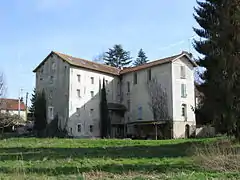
x: 11, y: 104
x: 78, y: 62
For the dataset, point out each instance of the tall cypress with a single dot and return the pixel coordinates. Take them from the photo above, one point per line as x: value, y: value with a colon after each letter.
x: 105, y: 131
x: 40, y: 121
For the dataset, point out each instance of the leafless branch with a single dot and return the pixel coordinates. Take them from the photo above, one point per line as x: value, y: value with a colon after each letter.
x: 2, y: 89
x: 7, y: 120
x: 158, y: 100
x: 99, y: 58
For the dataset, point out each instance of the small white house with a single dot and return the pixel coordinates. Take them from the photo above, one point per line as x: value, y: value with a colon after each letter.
x: 72, y: 86
x: 13, y: 107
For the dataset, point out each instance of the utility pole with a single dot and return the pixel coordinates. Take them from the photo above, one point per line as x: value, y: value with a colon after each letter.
x: 26, y: 105
x: 19, y: 102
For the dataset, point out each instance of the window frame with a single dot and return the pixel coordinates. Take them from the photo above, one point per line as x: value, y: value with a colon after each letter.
x: 79, y: 125
x: 78, y: 111
x: 128, y: 87
x: 92, y: 94
x: 183, y: 90
x: 140, y: 110
x: 79, y: 78
x: 51, y: 116
x: 149, y: 74
x: 184, y: 110
x: 135, y: 79
x: 78, y: 93
x: 182, y: 72
x: 92, y: 80
x: 91, y: 128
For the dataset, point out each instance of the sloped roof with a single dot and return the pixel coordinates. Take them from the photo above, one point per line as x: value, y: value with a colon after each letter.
x: 158, y: 62
x: 78, y: 62
x: 11, y: 104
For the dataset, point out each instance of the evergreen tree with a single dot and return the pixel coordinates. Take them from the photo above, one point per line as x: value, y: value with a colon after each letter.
x: 117, y: 57
x: 141, y: 59
x: 220, y: 31
x: 105, y: 120
x: 40, y: 114
x: 33, y: 101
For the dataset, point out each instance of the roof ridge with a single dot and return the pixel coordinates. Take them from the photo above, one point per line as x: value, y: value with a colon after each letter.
x: 85, y: 60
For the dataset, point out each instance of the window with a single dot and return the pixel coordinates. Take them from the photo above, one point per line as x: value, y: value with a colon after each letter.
x: 128, y: 105
x: 79, y: 128
x: 53, y: 66
x: 140, y: 112
x: 92, y: 80
x: 50, y: 94
x: 50, y: 112
x: 91, y: 112
x: 149, y: 75
x: 78, y: 93
x: 79, y: 78
x: 92, y: 93
x: 128, y: 86
x: 91, y: 128
x: 182, y: 72
x: 183, y: 91
x: 51, y: 79
x: 78, y: 111
x: 71, y: 131
x: 135, y: 78
x: 184, y: 110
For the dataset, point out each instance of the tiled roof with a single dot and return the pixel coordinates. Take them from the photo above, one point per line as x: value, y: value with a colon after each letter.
x: 11, y: 104
x: 78, y: 62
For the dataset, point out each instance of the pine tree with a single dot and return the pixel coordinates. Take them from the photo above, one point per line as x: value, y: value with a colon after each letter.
x: 105, y: 121
x: 141, y: 59
x: 40, y: 114
x: 117, y: 57
x: 219, y: 21
x: 33, y: 101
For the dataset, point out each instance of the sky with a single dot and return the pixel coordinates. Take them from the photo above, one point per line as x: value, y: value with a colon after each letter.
x: 31, y: 29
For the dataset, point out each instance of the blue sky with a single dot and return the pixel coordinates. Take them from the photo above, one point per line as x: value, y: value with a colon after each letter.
x: 30, y: 29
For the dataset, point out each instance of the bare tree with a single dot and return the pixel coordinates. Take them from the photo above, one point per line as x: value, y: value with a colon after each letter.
x: 99, y: 58
x: 158, y: 102
x: 2, y: 90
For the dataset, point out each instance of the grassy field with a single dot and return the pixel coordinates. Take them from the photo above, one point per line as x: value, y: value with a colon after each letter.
x: 32, y: 158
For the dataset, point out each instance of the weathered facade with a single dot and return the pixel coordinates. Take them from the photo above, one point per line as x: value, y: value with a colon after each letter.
x: 73, y: 85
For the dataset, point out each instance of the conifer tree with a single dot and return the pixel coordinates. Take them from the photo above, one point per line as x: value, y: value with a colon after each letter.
x: 117, y: 57
x: 141, y: 59
x: 219, y: 44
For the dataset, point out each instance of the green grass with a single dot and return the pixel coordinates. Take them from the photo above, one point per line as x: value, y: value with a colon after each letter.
x: 32, y: 158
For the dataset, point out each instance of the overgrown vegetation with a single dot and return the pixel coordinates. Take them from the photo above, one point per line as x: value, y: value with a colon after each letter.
x: 222, y: 156
x: 32, y: 158
x: 219, y: 44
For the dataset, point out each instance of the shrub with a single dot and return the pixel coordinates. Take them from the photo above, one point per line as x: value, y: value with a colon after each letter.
x: 7, y: 120
x: 221, y: 156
